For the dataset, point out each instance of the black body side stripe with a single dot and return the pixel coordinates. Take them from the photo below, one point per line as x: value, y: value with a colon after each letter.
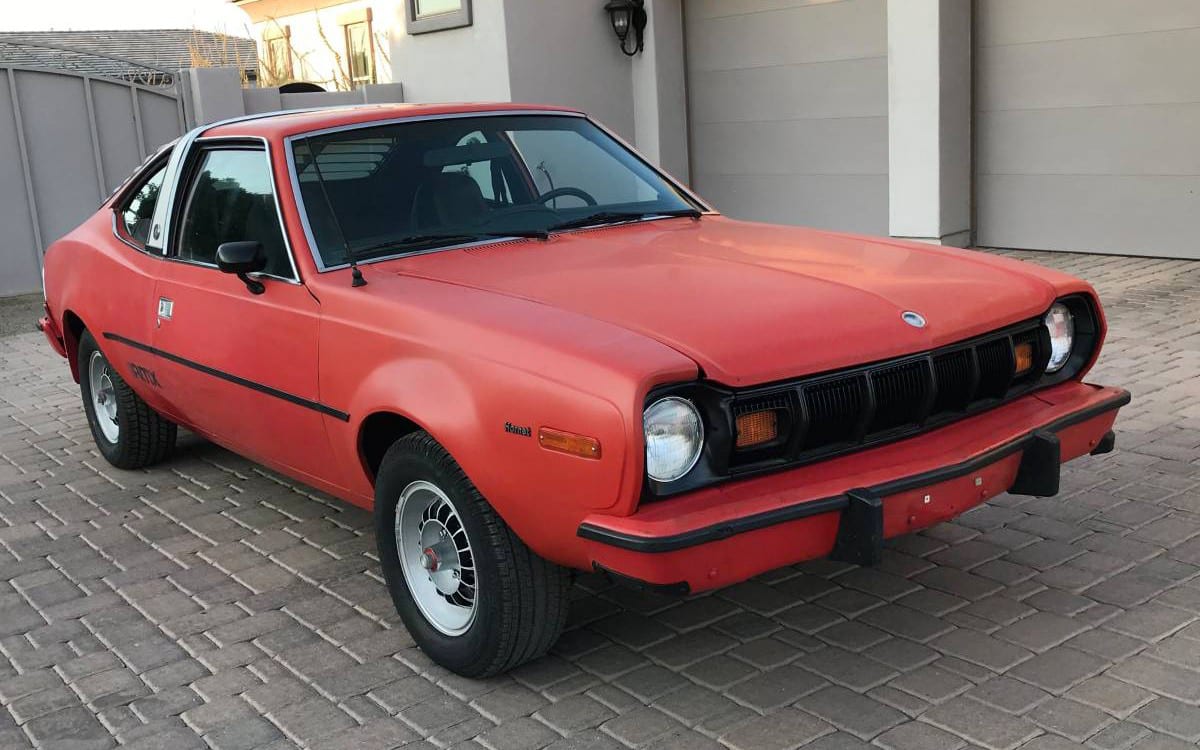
x: 835, y: 503
x: 284, y: 395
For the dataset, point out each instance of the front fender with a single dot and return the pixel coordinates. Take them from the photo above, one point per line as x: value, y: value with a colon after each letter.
x: 463, y: 363
x: 487, y: 416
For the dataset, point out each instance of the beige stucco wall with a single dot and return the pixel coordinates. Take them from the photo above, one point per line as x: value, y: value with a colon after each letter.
x: 566, y: 53
x: 318, y: 58
x: 464, y: 64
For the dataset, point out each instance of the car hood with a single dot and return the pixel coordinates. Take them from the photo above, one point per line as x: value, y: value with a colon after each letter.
x: 754, y: 303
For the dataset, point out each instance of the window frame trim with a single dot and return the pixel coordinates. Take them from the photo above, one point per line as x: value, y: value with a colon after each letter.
x: 289, y: 156
x: 365, y: 17
x: 454, y: 19
x: 187, y: 172
x: 275, y: 33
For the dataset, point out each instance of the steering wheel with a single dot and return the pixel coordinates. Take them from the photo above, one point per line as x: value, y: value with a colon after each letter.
x: 574, y: 192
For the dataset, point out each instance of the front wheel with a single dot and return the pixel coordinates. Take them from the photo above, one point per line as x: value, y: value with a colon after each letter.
x: 128, y: 433
x: 473, y: 596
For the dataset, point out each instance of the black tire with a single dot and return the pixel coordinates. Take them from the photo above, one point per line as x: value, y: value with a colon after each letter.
x: 144, y: 437
x: 521, y: 599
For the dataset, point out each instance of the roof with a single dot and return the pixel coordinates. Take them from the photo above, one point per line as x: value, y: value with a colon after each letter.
x: 267, y: 10
x: 283, y: 124
x: 128, y: 53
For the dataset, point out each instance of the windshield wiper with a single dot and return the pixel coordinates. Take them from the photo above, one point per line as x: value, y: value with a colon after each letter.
x: 612, y: 217
x: 423, y: 240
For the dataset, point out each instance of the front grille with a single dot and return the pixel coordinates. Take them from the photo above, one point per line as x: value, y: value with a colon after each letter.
x: 846, y: 410
x: 901, y: 395
x: 956, y: 380
x: 834, y: 410
x: 777, y: 402
x: 995, y: 368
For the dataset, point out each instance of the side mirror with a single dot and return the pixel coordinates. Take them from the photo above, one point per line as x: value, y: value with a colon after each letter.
x: 243, y: 258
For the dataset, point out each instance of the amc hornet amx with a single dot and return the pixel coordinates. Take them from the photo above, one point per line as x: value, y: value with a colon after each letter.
x: 530, y: 351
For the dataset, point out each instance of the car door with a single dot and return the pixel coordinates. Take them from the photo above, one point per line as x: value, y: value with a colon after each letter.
x: 239, y: 366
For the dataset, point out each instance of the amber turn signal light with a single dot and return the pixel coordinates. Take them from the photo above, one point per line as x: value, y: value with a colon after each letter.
x: 757, y: 427
x: 568, y: 442
x: 1024, y: 357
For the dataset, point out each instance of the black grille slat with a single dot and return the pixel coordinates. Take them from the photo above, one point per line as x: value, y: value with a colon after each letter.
x: 834, y: 410
x: 762, y: 403
x: 954, y: 381
x: 900, y: 395
x: 995, y: 368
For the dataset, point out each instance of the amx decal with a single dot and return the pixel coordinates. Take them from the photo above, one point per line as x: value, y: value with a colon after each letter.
x: 144, y: 375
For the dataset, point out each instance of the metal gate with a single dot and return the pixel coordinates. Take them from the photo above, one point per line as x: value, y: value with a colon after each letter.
x: 67, y: 139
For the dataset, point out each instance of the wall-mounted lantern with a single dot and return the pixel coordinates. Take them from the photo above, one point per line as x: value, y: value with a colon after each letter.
x: 627, y: 16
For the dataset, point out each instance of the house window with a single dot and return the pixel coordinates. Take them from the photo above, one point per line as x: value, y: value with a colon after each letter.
x: 279, y: 58
x: 360, y: 57
x: 437, y: 15
x: 427, y: 8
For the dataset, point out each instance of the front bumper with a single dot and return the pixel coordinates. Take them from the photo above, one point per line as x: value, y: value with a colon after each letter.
x: 846, y: 506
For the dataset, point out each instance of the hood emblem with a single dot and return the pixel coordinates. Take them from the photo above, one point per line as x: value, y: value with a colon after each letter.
x: 914, y: 319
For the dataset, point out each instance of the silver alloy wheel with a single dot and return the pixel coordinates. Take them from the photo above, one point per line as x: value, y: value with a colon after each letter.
x: 435, y: 555
x: 104, y: 397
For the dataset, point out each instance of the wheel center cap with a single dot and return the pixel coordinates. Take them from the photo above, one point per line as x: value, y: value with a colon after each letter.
x: 429, y: 560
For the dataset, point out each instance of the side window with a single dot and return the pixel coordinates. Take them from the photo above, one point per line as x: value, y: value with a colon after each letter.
x: 137, y: 213
x: 231, y: 199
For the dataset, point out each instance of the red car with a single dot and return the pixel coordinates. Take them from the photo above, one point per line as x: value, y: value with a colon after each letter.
x: 533, y: 352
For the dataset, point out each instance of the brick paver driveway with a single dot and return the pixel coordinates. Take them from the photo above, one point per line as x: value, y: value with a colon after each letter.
x: 209, y: 601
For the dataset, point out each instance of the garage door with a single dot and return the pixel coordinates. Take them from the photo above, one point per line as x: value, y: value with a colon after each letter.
x: 1087, y: 123
x: 787, y: 106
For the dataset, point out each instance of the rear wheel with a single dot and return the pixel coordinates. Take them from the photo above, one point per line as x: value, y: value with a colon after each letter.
x: 472, y: 595
x: 128, y: 433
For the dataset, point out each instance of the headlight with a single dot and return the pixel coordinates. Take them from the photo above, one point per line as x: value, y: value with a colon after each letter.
x: 674, y: 437
x: 1061, y: 325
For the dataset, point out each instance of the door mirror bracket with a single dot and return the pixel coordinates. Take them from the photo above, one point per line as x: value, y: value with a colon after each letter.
x: 243, y: 258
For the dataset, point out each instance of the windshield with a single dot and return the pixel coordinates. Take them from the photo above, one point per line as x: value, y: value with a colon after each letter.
x: 408, y: 187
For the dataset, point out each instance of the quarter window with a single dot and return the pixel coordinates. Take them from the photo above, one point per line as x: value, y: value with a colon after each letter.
x: 137, y: 214
x: 231, y: 199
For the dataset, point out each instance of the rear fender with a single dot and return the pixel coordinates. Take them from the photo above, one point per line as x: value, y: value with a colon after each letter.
x: 71, y: 328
